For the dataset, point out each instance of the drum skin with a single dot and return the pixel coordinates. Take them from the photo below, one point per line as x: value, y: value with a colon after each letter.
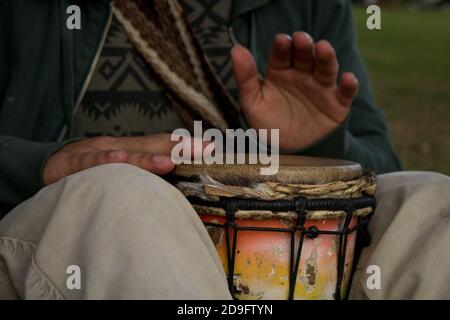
x: 262, y: 259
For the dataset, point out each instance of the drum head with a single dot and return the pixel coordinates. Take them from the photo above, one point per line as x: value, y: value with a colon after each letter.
x: 292, y: 170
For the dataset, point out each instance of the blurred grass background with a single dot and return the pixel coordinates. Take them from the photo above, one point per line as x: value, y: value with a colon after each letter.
x: 409, y: 64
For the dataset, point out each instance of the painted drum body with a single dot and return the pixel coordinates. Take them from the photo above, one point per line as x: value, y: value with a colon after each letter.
x: 262, y: 260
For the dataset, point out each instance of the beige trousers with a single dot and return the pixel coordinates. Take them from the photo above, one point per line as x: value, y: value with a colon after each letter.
x: 118, y: 232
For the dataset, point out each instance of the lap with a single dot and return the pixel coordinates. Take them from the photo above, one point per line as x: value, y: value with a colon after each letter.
x: 112, y: 219
x: 121, y: 187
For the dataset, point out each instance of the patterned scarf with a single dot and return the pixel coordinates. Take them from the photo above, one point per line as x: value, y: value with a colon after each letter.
x: 163, y: 37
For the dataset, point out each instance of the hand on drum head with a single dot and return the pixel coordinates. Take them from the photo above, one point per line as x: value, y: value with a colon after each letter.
x: 299, y: 94
x: 151, y: 153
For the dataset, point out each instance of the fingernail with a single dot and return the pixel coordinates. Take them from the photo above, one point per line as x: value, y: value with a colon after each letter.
x: 237, y: 47
x: 308, y: 35
x: 284, y: 35
x: 161, y: 159
x: 116, y: 154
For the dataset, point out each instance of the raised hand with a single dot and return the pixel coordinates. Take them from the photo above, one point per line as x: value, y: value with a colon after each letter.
x: 299, y: 94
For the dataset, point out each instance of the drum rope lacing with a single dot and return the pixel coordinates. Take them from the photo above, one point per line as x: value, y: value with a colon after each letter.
x: 300, y: 206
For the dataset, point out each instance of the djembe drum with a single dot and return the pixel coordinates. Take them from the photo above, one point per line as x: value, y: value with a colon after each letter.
x: 288, y: 236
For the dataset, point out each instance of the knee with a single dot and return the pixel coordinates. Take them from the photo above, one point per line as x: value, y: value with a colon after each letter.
x: 416, y: 191
x: 111, y: 180
x: 414, y: 182
x: 106, y: 173
x: 121, y: 190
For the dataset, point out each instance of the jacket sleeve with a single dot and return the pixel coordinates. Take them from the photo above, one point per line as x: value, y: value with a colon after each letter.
x: 21, y: 166
x: 363, y: 137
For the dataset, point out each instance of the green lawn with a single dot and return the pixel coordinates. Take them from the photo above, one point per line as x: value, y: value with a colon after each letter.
x: 409, y: 64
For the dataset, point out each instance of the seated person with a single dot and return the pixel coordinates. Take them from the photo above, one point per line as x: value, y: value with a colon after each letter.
x: 82, y: 119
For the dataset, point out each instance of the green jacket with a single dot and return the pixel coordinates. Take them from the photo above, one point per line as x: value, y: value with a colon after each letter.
x: 44, y: 68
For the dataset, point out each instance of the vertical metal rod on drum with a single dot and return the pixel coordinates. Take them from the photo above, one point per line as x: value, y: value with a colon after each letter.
x: 343, y: 236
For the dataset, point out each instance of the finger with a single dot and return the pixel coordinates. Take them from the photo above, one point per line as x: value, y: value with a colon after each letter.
x: 191, y: 147
x: 161, y: 144
x: 83, y: 161
x: 246, y: 75
x: 326, y: 67
x: 157, y: 164
x: 348, y: 88
x: 281, y: 53
x: 153, y: 144
x: 63, y: 164
x: 304, y: 52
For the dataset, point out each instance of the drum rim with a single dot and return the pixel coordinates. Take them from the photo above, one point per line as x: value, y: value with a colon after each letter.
x: 327, y: 170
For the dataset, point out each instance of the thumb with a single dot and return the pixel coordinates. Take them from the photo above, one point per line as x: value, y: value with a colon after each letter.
x: 246, y: 75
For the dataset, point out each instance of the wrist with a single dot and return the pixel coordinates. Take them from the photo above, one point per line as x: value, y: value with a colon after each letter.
x: 332, y: 145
